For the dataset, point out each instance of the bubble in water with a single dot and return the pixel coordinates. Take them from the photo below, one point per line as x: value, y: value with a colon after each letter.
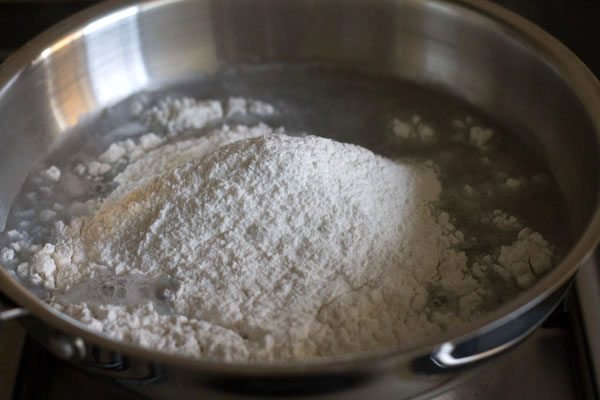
x: 146, y: 291
x: 442, y: 300
x: 130, y: 290
x: 161, y: 291
x: 122, y: 292
x: 107, y: 290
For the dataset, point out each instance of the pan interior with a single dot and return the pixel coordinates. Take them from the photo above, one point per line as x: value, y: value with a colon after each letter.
x: 58, y: 95
x: 352, y: 107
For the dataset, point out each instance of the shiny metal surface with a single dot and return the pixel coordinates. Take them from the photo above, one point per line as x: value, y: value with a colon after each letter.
x: 493, y: 59
x: 9, y: 311
x: 493, y: 343
x: 502, y: 380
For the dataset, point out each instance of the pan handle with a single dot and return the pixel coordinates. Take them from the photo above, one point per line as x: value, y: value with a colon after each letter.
x: 450, y: 357
x: 9, y: 310
x: 500, y: 340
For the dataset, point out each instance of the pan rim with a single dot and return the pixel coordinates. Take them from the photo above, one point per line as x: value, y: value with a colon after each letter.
x: 572, y: 70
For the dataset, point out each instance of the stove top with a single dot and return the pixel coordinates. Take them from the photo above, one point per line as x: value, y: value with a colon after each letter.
x: 557, y: 362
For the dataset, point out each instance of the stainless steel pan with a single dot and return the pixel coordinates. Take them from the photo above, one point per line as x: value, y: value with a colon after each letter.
x: 479, y: 52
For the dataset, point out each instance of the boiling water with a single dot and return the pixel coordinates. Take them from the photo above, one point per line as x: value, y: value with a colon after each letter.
x: 345, y: 106
x: 121, y: 290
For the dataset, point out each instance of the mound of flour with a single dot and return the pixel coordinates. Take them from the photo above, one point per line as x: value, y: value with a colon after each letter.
x: 274, y: 248
x: 243, y: 244
x: 247, y: 245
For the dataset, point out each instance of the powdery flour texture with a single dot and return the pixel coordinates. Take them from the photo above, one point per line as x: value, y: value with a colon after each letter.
x: 249, y: 245
x: 281, y: 248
